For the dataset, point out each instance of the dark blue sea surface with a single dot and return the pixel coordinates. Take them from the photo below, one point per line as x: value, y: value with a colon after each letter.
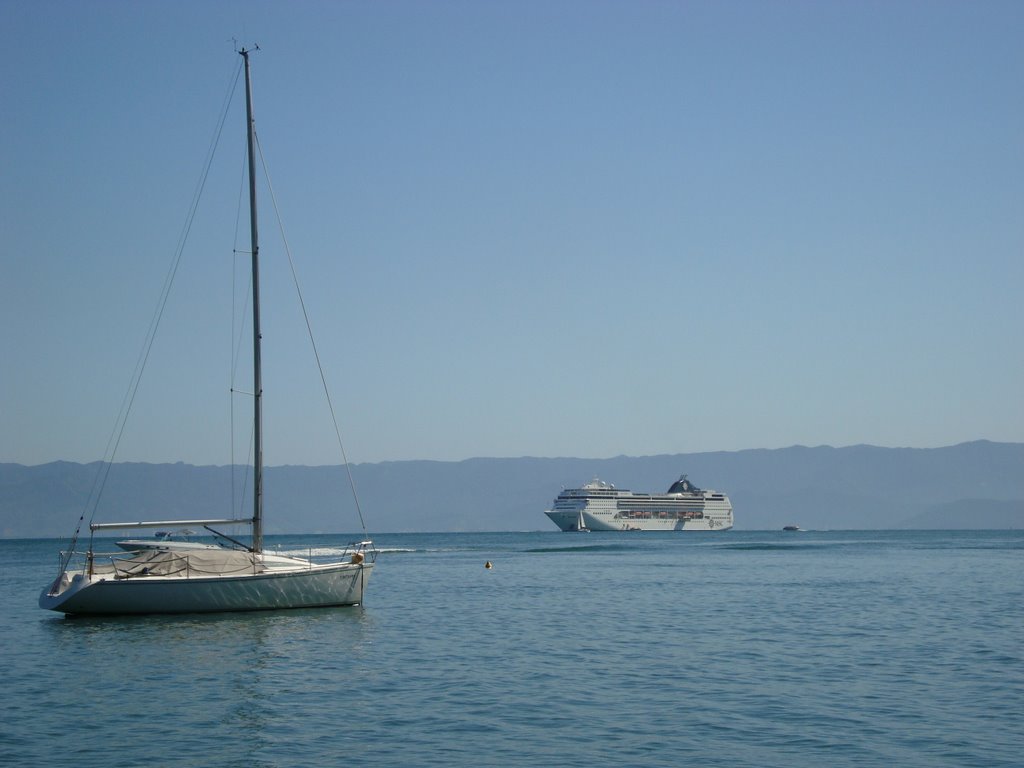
x: 875, y: 648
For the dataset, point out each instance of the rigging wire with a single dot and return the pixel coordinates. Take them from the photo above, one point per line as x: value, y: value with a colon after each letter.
x: 312, y: 341
x: 114, y: 441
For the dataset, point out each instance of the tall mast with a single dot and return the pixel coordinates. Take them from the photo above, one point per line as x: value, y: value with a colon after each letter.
x: 257, y: 387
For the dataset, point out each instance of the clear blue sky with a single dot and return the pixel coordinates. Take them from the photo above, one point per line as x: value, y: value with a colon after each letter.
x: 525, y: 228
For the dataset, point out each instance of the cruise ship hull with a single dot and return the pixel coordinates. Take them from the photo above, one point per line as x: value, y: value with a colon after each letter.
x: 570, y: 522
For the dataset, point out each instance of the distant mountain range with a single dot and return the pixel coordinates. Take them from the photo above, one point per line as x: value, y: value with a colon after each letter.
x: 971, y: 485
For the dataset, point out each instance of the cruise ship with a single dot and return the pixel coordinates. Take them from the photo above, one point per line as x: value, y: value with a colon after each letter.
x: 600, y: 506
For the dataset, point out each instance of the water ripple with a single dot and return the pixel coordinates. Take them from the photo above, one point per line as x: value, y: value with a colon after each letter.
x: 739, y: 650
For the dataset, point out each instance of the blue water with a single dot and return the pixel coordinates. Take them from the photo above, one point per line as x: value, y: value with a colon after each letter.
x: 728, y: 649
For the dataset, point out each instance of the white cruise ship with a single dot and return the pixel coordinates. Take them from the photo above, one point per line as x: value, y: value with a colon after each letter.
x: 600, y: 506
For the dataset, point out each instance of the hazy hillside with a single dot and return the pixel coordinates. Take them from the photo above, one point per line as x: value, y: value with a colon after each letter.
x: 976, y: 485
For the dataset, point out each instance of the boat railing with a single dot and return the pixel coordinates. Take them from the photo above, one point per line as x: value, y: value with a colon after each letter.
x: 364, y: 550
x: 120, y: 564
x: 186, y: 564
x: 85, y: 561
x: 355, y: 551
x: 170, y: 565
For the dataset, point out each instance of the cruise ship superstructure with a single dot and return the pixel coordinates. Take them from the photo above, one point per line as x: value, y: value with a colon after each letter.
x: 600, y: 506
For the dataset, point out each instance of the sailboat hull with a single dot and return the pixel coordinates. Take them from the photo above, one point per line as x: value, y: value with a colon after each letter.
x: 317, y: 586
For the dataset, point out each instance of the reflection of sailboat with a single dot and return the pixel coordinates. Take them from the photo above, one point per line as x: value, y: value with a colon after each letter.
x: 178, y: 578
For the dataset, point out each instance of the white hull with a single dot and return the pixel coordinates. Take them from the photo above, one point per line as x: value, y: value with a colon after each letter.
x: 568, y: 522
x: 312, y: 586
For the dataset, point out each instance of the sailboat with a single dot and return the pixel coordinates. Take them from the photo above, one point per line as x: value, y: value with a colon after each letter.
x: 179, y: 577
x: 581, y: 524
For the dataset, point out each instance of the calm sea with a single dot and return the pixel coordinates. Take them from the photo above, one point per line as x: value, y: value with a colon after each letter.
x: 729, y: 649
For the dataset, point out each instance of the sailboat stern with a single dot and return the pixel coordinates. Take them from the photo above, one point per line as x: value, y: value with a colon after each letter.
x: 63, y: 589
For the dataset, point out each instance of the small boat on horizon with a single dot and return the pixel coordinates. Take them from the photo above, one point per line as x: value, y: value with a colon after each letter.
x: 581, y: 526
